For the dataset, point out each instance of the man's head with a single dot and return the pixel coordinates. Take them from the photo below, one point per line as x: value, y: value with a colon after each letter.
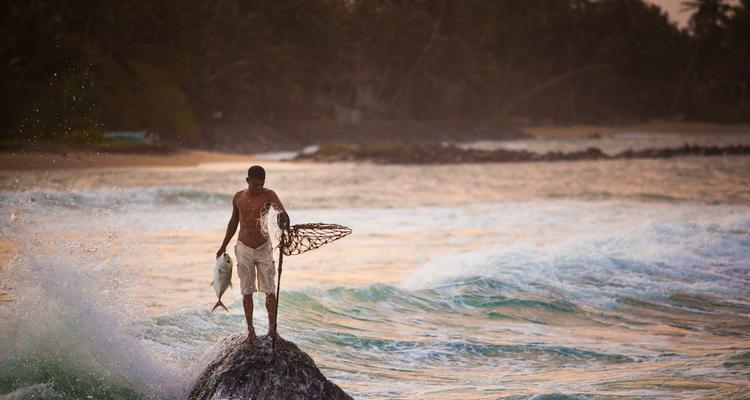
x: 256, y: 177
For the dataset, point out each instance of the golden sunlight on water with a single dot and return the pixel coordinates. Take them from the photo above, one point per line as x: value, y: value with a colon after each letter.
x: 608, y: 278
x: 710, y: 180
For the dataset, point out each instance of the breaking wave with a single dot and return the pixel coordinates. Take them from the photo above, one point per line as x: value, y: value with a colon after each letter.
x: 653, y: 262
x: 69, y: 334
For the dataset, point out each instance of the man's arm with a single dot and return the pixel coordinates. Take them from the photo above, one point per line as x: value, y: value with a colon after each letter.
x: 231, y: 227
x: 282, y: 219
x: 275, y: 202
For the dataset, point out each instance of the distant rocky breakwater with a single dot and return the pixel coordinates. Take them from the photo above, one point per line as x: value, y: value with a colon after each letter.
x: 398, y: 153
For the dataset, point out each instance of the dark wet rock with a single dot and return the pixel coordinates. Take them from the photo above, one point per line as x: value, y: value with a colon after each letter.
x: 404, y: 153
x: 243, y: 371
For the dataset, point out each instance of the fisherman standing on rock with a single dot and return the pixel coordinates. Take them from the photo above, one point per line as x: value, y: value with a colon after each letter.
x: 254, y: 251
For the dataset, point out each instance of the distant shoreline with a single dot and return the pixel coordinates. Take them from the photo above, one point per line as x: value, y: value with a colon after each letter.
x: 41, y: 160
x: 49, y: 160
x: 581, y: 131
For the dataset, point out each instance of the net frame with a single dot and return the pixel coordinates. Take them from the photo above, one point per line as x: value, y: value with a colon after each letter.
x: 302, y: 238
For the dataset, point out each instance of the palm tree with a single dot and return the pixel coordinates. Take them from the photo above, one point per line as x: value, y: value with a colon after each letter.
x: 708, y: 18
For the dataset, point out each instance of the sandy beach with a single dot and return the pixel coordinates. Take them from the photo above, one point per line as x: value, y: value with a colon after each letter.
x: 67, y: 160
x: 654, y: 127
x: 10, y: 160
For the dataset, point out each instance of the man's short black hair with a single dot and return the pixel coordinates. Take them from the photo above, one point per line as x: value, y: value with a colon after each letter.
x: 256, y: 172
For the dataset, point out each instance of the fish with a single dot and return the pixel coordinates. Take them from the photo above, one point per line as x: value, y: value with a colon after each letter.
x: 222, y: 278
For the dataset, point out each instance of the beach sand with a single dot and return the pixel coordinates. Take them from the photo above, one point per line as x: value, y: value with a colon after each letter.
x: 655, y: 127
x: 17, y: 160
x: 53, y: 160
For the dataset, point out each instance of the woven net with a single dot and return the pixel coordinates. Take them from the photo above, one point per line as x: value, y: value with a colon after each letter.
x: 305, y: 237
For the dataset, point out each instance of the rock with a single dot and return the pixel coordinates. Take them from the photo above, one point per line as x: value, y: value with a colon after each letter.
x: 404, y: 153
x: 244, y: 371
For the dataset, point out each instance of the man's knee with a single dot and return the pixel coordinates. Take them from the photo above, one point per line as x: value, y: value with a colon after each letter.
x: 270, y: 297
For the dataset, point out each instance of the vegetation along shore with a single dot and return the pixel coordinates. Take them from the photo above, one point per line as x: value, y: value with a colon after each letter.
x: 241, y: 79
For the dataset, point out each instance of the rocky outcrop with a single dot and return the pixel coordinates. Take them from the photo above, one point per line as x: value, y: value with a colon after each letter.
x: 244, y: 371
x: 400, y: 153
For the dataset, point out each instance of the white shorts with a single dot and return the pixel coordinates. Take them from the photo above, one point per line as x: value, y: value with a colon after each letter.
x: 249, y: 261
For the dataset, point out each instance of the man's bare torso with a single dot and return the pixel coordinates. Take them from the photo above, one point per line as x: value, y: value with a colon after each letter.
x: 253, y: 208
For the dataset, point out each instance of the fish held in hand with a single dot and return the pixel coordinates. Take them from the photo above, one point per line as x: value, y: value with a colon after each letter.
x: 222, y: 278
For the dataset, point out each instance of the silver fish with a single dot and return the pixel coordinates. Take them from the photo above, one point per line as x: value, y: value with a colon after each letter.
x: 222, y: 278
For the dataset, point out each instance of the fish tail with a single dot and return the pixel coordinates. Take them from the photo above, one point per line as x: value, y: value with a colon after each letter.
x: 219, y: 304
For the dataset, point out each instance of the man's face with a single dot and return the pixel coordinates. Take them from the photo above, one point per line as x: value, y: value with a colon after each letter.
x: 255, y: 185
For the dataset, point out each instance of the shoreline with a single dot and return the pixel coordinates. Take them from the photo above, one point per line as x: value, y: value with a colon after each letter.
x: 81, y: 159
x: 39, y: 160
x: 584, y: 131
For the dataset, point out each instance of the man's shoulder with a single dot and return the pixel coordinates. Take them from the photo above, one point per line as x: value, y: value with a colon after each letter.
x: 266, y: 192
x: 238, y: 194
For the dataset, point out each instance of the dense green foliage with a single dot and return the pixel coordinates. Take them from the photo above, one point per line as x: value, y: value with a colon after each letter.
x: 74, y: 68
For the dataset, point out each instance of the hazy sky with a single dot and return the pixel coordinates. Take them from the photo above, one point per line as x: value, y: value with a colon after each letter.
x: 673, y: 8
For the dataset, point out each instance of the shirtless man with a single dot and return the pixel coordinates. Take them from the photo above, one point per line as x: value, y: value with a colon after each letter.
x: 253, y: 250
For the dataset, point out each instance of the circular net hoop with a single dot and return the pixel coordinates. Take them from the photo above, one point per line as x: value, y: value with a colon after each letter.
x: 302, y: 238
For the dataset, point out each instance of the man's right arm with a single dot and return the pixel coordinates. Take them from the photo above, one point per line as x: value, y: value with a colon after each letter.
x: 231, y: 227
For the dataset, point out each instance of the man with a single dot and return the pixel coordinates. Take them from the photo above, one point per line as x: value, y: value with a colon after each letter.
x: 253, y: 250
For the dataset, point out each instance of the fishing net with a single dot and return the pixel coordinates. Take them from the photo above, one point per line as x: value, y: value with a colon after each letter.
x: 302, y: 238
x: 299, y: 238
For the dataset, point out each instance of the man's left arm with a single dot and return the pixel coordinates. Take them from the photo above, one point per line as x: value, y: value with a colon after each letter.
x: 282, y: 219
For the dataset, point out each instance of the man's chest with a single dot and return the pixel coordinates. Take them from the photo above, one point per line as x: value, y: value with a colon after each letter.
x: 254, y: 205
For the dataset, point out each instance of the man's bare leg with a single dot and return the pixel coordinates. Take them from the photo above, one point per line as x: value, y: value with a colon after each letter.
x: 247, y: 303
x: 271, y: 308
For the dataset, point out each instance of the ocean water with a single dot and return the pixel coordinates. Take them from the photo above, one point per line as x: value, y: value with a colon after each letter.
x: 577, y: 280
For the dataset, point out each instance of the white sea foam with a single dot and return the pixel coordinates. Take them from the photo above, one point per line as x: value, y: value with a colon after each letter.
x: 650, y: 260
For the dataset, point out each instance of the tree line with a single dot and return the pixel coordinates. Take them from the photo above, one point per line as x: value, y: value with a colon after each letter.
x: 71, y: 69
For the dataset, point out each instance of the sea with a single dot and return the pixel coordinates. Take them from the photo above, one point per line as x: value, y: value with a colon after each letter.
x: 610, y: 279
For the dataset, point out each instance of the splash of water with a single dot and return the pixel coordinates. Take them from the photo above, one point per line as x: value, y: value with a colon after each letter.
x: 68, y: 331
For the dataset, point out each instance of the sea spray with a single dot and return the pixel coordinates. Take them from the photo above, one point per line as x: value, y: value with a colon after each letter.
x: 69, y: 331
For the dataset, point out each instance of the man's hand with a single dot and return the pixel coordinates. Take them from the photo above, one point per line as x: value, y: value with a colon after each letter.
x: 221, y: 252
x: 282, y: 219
